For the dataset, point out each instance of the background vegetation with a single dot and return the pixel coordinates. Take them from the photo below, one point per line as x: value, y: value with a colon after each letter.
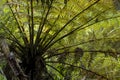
x: 62, y: 39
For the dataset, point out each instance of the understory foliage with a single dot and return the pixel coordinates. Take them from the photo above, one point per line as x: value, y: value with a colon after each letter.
x: 62, y: 39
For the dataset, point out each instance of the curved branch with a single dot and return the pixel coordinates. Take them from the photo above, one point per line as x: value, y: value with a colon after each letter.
x: 55, y: 69
x: 20, y: 28
x: 89, y: 41
x: 94, y: 51
x: 79, y: 67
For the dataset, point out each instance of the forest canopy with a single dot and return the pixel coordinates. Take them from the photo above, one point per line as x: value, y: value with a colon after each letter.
x: 59, y: 40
